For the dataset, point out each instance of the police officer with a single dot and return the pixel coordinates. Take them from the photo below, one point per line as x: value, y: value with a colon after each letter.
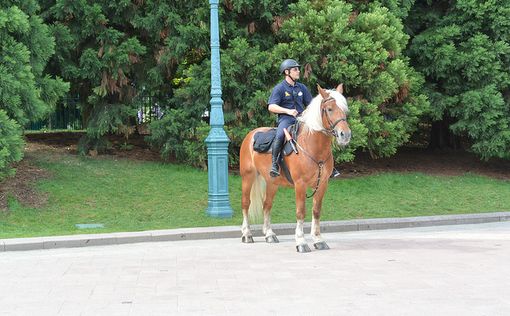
x: 288, y: 100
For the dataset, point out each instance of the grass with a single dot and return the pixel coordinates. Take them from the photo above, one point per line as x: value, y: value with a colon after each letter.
x: 129, y: 195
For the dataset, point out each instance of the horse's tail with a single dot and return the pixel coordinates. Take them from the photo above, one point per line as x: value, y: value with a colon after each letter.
x: 257, y: 197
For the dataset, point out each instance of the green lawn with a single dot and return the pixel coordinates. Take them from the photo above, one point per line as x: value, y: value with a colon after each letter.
x: 132, y: 195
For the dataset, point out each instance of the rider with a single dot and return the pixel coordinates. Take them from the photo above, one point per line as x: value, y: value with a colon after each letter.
x: 288, y: 100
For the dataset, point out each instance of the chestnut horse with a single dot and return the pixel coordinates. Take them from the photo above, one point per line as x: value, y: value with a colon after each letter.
x: 323, y: 119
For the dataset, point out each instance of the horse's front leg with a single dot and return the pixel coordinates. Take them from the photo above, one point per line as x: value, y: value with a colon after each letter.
x: 301, y: 245
x: 318, y: 241
x: 270, y: 236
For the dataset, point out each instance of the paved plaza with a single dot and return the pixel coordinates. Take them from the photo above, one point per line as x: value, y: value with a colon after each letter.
x: 446, y: 270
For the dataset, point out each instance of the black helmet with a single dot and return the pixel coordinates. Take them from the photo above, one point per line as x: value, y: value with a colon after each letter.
x: 287, y: 64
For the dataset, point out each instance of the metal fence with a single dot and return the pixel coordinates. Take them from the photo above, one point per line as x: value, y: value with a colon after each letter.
x: 65, y: 116
x: 148, y: 110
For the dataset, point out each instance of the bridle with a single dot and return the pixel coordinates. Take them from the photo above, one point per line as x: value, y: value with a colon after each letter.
x: 331, y: 130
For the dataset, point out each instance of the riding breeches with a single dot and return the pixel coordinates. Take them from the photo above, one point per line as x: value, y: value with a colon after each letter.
x: 284, y: 122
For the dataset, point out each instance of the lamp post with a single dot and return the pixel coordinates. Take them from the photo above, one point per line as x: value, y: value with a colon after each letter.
x: 217, y: 141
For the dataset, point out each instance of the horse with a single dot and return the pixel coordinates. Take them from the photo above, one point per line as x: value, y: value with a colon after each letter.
x: 324, y: 118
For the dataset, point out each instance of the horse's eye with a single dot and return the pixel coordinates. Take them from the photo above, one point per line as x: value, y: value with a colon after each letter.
x: 330, y: 109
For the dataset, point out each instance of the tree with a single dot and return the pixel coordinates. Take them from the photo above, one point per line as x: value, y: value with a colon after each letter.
x: 463, y: 49
x: 26, y: 92
x: 336, y: 43
x: 247, y: 36
x: 363, y: 49
x: 113, y: 51
x: 11, y: 144
x: 98, y: 52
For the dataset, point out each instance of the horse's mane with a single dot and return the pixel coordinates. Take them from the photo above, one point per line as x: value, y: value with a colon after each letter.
x: 312, y: 118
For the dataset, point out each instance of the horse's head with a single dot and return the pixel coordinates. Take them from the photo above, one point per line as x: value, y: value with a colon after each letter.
x: 333, y: 109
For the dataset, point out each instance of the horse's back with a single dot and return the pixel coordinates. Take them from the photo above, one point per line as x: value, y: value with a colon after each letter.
x: 246, y: 153
x: 247, y: 144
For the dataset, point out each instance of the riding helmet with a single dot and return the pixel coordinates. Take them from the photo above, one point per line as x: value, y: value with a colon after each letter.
x: 287, y: 64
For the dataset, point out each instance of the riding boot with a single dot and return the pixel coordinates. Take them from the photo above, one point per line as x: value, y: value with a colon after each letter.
x: 276, y: 149
x: 334, y: 173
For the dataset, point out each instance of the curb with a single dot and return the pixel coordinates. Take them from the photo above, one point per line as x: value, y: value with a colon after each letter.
x: 38, y: 243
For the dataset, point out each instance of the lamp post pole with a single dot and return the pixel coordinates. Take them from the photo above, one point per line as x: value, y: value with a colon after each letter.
x: 217, y: 141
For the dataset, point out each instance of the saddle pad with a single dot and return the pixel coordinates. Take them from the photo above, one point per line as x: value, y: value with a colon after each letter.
x: 264, y: 140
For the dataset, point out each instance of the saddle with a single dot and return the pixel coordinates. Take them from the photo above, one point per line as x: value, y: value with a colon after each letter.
x: 262, y: 142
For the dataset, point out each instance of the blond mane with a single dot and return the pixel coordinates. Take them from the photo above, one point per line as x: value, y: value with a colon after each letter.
x: 312, y: 118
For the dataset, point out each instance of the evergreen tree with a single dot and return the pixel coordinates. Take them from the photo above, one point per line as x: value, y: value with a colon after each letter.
x: 98, y: 52
x: 26, y: 92
x: 463, y: 49
x: 360, y: 46
x: 335, y: 42
x: 11, y: 144
x: 113, y: 51
x: 247, y: 36
x: 119, y: 53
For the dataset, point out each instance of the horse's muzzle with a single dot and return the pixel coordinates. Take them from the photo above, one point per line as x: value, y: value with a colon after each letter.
x: 343, y: 137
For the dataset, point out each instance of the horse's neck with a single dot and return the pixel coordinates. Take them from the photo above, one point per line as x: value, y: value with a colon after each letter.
x: 316, y: 143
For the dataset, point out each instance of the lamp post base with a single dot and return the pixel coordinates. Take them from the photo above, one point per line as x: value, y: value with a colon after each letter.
x: 217, y: 152
x: 220, y: 207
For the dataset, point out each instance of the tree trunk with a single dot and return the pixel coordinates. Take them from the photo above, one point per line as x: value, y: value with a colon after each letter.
x: 441, y: 136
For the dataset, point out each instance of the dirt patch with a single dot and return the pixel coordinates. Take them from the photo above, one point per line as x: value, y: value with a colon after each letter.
x: 136, y: 149
x: 446, y: 163
x: 21, y: 185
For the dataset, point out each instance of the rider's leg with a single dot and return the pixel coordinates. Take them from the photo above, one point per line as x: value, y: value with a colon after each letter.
x: 284, y: 122
x: 276, y: 148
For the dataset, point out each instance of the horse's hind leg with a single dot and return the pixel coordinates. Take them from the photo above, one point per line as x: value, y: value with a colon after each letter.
x: 247, y: 183
x: 268, y: 205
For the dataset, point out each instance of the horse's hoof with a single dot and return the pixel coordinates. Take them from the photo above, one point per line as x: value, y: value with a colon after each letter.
x: 272, y: 239
x: 321, y: 245
x: 247, y: 239
x: 303, y: 248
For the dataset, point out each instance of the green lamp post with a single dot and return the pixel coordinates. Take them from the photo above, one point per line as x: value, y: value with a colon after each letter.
x: 217, y: 141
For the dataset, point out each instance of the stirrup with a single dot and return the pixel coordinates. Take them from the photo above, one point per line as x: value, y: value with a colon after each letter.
x: 334, y: 174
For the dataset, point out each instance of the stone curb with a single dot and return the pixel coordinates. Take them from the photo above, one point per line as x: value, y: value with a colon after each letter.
x: 37, y: 243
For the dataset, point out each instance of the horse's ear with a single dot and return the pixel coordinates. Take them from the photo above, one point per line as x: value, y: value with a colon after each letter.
x: 323, y: 92
x: 340, y: 88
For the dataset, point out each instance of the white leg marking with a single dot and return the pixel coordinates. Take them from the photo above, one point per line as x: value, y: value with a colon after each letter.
x: 266, y: 228
x: 316, y: 231
x: 246, y: 227
x: 300, y: 234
